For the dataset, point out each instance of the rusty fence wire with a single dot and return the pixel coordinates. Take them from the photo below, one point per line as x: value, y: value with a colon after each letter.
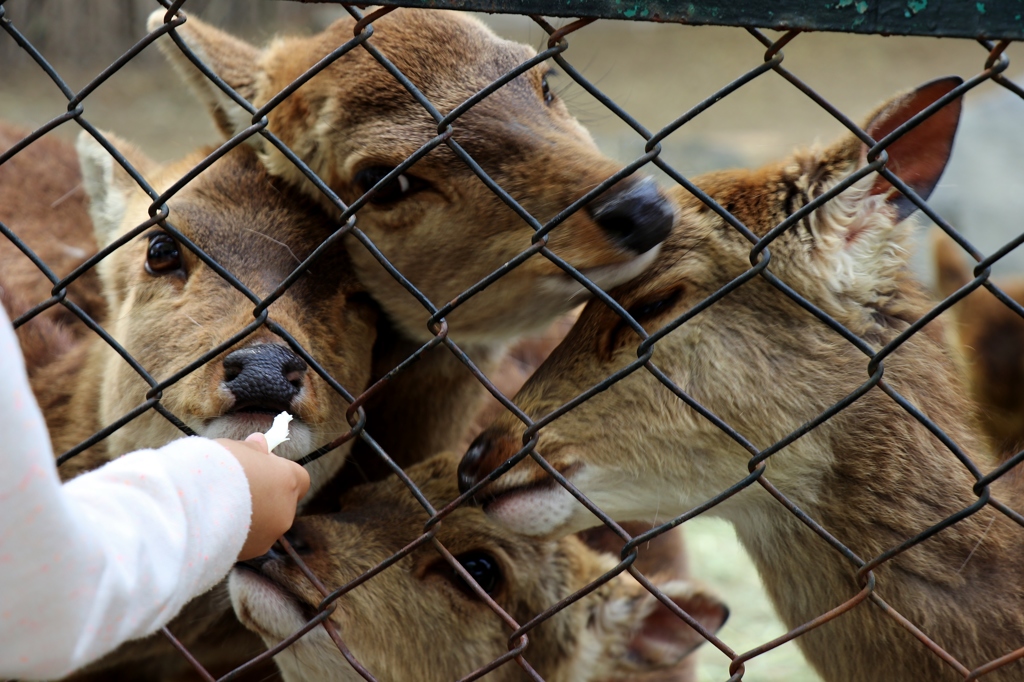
x: 993, y: 63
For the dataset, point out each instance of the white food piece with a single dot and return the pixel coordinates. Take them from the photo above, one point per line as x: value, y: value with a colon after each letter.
x: 278, y: 431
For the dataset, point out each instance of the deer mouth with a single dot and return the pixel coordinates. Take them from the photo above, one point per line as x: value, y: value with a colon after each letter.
x: 272, y: 410
x: 251, y: 417
x: 259, y: 409
x: 604, y: 276
x: 239, y: 422
x: 540, y: 507
x: 266, y: 604
x: 542, y: 483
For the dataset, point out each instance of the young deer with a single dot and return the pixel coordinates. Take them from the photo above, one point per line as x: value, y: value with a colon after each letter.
x: 438, y: 223
x: 167, y: 307
x: 991, y: 337
x: 418, y: 620
x: 872, y: 475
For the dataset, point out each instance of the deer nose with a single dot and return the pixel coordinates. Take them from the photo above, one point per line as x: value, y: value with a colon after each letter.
x: 263, y: 378
x: 637, y: 216
x: 485, y: 454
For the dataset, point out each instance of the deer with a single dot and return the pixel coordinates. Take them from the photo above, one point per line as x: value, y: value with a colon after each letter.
x: 166, y: 307
x: 419, y: 620
x: 990, y: 336
x: 436, y: 222
x: 871, y: 475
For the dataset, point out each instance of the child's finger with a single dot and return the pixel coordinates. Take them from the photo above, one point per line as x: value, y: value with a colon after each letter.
x: 259, y: 440
x: 302, y: 477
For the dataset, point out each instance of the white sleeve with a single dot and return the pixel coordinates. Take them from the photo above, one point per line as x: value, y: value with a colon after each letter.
x: 112, y: 555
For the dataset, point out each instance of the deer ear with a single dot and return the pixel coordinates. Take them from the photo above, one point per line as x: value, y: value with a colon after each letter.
x: 653, y: 636
x: 663, y: 639
x: 234, y: 60
x: 951, y: 271
x: 857, y: 244
x: 107, y: 184
x: 920, y: 155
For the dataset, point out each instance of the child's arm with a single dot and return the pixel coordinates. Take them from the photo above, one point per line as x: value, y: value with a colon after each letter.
x: 114, y: 554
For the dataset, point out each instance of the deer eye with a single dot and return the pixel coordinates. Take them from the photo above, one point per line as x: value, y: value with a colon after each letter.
x: 484, y: 568
x: 648, y: 310
x: 163, y: 255
x: 394, y: 190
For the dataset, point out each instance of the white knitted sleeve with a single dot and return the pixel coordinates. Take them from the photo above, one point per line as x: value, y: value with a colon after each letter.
x: 112, y: 555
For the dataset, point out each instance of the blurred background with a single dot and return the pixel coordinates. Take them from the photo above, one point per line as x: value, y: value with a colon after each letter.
x: 656, y: 72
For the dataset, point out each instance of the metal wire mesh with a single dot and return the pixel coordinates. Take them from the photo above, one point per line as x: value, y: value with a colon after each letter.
x: 993, y: 64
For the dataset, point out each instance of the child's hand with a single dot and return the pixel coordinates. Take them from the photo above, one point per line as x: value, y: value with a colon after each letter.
x: 276, y: 485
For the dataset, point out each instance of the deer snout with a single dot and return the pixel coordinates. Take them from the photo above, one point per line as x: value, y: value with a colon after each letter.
x: 263, y: 378
x: 485, y: 454
x: 635, y: 214
x: 524, y: 499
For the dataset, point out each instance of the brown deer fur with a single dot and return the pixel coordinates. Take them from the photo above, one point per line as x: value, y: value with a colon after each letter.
x: 991, y: 338
x: 42, y: 201
x: 42, y: 339
x: 449, y: 231
x: 872, y: 475
x: 417, y: 620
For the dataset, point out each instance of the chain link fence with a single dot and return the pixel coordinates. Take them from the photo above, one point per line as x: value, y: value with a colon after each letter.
x: 378, y: 453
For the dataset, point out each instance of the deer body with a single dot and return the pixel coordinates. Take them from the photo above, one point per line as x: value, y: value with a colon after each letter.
x: 872, y: 475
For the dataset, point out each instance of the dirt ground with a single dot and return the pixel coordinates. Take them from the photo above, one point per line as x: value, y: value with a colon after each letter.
x: 656, y: 72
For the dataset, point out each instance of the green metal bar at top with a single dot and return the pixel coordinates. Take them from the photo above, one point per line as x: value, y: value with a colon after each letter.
x: 990, y: 19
